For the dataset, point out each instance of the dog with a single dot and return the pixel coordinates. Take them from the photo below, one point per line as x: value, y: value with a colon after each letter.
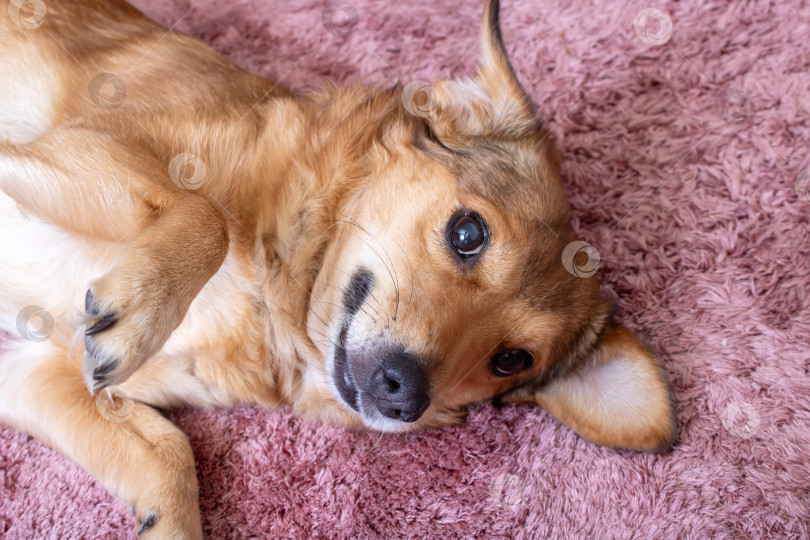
x: 176, y: 231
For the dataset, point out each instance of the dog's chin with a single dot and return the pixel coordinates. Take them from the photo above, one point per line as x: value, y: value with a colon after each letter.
x: 351, y: 397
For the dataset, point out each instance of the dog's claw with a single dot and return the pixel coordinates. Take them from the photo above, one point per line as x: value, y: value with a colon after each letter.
x: 101, y: 372
x: 148, y: 522
x: 97, y: 367
x: 105, y: 322
x: 93, y: 310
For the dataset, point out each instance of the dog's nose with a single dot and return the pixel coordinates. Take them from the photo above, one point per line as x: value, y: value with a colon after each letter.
x: 399, y: 387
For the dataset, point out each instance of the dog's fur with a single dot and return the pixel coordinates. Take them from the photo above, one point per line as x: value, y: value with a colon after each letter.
x: 239, y: 288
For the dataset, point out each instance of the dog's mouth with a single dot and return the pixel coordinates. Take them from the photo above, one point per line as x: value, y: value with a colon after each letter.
x: 357, y: 291
x: 344, y: 380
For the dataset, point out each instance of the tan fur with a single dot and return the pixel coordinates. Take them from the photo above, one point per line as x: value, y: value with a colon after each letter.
x: 229, y: 290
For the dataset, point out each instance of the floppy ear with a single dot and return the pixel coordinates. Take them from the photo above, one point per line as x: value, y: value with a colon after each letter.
x: 492, y: 102
x: 617, y: 396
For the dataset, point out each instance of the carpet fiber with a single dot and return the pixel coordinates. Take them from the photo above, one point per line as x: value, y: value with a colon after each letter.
x: 683, y: 151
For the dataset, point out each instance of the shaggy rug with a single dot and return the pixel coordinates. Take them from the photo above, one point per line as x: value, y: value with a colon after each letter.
x: 684, y: 129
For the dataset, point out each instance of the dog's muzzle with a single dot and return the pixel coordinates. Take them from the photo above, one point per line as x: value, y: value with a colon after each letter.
x: 384, y: 378
x: 397, y: 387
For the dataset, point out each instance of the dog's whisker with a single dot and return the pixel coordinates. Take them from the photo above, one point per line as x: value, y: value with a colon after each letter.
x: 390, y: 268
x: 301, y: 285
x: 374, y: 445
x: 343, y: 291
x: 372, y: 293
x: 410, y: 268
x: 361, y: 309
x: 303, y: 323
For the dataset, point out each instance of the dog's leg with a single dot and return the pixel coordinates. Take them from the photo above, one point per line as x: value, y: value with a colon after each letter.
x: 170, y: 240
x: 136, y: 453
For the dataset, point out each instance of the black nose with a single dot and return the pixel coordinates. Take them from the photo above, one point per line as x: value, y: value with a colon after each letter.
x: 399, y: 388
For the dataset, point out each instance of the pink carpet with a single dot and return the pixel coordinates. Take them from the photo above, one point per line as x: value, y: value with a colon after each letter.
x: 681, y: 158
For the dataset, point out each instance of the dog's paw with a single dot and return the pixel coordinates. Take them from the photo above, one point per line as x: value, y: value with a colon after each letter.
x: 98, y: 364
x: 152, y: 524
x: 178, y: 520
x: 145, y: 521
x: 121, y: 333
x: 170, y: 508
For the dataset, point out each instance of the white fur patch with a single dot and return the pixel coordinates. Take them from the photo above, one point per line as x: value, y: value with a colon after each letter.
x: 43, y: 265
x: 619, y: 387
x: 27, y: 93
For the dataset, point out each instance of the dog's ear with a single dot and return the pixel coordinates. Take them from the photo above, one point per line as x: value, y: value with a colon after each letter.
x: 493, y: 102
x: 616, y: 396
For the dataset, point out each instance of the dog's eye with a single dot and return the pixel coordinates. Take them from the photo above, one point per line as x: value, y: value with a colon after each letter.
x: 468, y: 235
x: 511, y: 361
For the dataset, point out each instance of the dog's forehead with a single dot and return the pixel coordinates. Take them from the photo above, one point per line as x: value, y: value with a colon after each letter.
x: 520, y: 177
x: 518, y: 182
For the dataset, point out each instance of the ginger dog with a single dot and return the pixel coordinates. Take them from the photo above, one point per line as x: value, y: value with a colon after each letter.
x: 176, y: 231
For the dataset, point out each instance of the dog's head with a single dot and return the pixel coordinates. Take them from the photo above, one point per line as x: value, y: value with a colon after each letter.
x: 455, y: 275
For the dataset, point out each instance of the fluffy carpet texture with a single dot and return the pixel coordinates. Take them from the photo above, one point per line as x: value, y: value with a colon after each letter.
x: 684, y: 133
